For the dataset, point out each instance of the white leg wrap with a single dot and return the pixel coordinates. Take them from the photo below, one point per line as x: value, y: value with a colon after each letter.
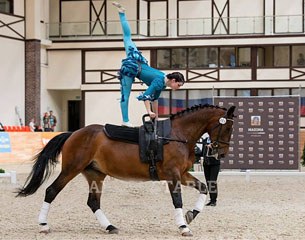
x: 200, y: 202
x: 43, y: 215
x: 179, y: 217
x: 102, y: 218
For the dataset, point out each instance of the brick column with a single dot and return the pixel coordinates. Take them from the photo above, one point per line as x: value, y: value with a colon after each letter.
x: 32, y: 81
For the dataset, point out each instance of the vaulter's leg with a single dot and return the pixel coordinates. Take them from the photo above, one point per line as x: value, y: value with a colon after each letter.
x: 130, y: 65
x: 51, y: 193
x: 126, y: 83
x: 190, y: 181
x: 175, y: 191
x: 128, y: 43
x: 95, y: 180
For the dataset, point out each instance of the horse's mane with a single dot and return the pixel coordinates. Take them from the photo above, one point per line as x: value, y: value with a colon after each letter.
x: 195, y: 108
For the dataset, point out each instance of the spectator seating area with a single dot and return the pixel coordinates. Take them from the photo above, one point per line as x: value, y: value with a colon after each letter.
x: 16, y: 128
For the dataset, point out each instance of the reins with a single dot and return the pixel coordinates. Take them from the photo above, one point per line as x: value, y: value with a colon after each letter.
x: 215, y: 143
x: 173, y: 139
x: 154, y: 123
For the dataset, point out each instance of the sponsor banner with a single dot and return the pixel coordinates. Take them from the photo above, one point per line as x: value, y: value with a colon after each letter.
x: 265, y: 133
x: 5, y: 143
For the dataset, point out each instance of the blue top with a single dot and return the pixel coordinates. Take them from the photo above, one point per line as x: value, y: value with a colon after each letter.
x: 153, y: 78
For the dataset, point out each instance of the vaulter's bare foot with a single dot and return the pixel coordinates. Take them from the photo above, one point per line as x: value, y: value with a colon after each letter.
x: 119, y: 7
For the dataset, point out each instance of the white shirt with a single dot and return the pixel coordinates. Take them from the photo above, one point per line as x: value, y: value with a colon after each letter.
x: 32, y: 126
x: 204, y: 136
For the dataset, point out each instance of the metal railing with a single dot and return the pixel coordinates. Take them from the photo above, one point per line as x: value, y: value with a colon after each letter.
x: 267, y: 25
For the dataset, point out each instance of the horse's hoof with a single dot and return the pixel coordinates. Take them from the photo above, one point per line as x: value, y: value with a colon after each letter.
x: 189, y: 216
x: 187, y: 234
x: 44, y: 229
x: 112, y: 229
x: 185, y: 231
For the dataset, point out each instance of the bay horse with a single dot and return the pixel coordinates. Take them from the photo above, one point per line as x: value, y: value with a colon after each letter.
x: 90, y: 152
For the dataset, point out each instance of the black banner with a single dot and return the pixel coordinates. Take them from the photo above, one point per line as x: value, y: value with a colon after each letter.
x: 265, y: 134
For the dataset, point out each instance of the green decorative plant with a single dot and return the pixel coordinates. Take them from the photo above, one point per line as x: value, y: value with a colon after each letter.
x: 2, y: 170
x: 303, y: 157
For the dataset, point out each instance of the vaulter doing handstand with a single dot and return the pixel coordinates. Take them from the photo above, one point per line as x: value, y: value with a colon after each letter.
x: 135, y: 65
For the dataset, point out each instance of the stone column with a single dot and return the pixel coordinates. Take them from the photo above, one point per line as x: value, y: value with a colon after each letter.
x: 32, y: 61
x: 32, y: 81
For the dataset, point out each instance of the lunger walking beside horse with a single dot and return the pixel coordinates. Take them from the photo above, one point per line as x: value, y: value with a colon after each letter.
x: 89, y: 151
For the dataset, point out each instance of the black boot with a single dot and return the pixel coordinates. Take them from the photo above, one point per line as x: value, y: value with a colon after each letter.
x: 211, y: 203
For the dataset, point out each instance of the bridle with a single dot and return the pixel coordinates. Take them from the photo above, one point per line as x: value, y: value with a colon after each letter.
x: 221, y: 122
x: 215, y: 143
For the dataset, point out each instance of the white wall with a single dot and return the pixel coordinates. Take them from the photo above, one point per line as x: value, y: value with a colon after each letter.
x: 158, y: 26
x: 56, y: 100
x: 247, y: 9
x: 11, y: 80
x: 104, y: 107
x: 267, y: 74
x: 64, y: 71
x: 33, y: 17
x: 232, y: 74
x: 104, y: 59
x: 282, y: 8
x: 60, y: 82
x: 19, y: 7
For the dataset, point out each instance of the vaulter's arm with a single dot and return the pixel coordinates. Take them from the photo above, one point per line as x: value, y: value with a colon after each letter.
x: 152, y: 112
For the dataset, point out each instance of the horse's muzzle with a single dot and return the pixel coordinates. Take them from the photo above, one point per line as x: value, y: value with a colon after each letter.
x: 222, y: 152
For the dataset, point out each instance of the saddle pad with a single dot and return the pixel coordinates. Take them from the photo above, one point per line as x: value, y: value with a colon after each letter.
x: 121, y: 133
x: 164, y: 128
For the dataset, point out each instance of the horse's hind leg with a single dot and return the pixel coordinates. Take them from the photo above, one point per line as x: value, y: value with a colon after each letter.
x: 191, y: 181
x: 95, y: 180
x: 51, y: 193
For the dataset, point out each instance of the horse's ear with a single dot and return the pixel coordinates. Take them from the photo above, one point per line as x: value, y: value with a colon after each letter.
x: 230, y: 112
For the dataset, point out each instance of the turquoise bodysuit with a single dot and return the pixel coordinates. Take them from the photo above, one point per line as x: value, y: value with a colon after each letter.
x: 135, y: 65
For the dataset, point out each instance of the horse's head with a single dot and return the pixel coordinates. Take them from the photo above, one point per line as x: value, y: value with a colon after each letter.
x: 220, y: 134
x: 192, y: 122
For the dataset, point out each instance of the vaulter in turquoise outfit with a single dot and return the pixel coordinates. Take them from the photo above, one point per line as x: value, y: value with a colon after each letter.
x: 136, y: 66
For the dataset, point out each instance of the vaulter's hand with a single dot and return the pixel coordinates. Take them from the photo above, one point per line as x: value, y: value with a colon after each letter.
x: 152, y: 114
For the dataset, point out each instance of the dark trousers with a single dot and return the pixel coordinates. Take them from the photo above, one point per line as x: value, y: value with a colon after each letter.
x: 211, y: 174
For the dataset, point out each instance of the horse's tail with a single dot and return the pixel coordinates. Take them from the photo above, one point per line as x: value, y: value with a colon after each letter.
x: 45, y: 162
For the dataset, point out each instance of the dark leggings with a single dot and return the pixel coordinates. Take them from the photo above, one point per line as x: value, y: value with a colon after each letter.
x: 211, y: 174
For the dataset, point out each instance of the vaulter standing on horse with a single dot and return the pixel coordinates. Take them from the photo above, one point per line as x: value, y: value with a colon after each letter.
x: 135, y: 65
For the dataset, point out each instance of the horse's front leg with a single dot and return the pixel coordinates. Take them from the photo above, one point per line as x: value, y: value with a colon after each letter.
x: 175, y: 191
x: 191, y: 181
